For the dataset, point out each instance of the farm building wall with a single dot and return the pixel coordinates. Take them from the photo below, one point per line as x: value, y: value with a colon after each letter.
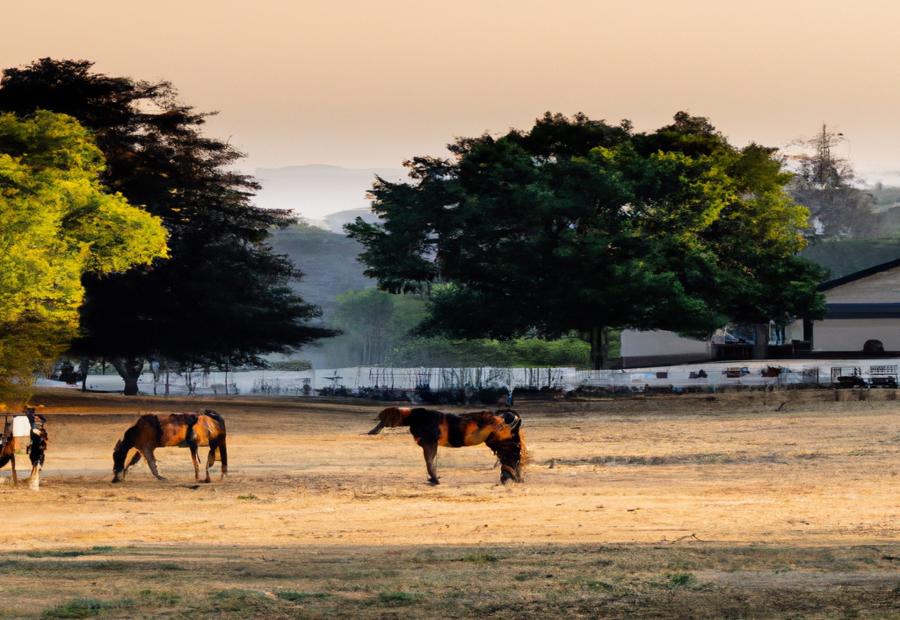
x: 851, y: 334
x: 651, y: 348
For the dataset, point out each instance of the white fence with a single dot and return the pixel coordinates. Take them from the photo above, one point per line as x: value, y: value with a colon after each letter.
x: 712, y: 375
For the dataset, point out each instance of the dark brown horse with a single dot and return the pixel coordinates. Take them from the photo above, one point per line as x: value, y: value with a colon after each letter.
x: 500, y: 431
x: 182, y: 430
x: 35, y: 444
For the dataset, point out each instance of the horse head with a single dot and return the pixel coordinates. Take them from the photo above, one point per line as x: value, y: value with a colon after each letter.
x: 119, y: 454
x: 508, y: 443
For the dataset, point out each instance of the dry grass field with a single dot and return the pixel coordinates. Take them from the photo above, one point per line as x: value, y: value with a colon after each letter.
x: 679, y: 506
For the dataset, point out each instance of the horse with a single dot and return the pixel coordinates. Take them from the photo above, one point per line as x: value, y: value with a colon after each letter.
x: 181, y: 430
x: 500, y: 431
x: 10, y: 443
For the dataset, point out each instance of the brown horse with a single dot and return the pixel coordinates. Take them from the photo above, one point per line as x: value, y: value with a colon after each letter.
x: 35, y: 444
x: 500, y: 431
x: 182, y: 430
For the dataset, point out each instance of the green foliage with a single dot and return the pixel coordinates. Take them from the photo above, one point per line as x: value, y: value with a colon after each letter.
x: 70, y: 553
x: 223, y: 297
x: 290, y: 365
x: 885, y: 195
x: 577, y: 224
x: 56, y: 224
x: 373, y: 322
x: 328, y: 260
x: 381, y: 328
x: 398, y: 598
x: 295, y: 596
x: 87, y: 608
x: 680, y: 580
x: 841, y: 257
x: 520, y: 352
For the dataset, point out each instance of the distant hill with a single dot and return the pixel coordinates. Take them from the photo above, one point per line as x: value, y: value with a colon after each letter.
x: 845, y: 256
x: 336, y: 221
x: 316, y: 191
x: 328, y: 261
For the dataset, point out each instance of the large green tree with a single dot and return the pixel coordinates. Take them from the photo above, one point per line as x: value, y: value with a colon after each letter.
x: 56, y: 223
x: 580, y: 225
x: 222, y: 297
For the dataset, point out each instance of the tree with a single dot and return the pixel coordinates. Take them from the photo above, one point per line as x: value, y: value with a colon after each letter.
x: 373, y: 322
x: 824, y: 183
x: 56, y: 223
x: 222, y: 297
x: 580, y: 225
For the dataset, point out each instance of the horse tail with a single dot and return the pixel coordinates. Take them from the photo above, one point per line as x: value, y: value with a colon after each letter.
x: 215, y: 416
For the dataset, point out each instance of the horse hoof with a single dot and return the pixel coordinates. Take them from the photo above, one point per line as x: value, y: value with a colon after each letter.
x: 434, y: 482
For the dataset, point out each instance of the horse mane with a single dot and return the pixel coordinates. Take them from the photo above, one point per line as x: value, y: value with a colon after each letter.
x: 153, y: 421
x: 483, y: 418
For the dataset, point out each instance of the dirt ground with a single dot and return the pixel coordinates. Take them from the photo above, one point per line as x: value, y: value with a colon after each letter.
x: 736, y: 505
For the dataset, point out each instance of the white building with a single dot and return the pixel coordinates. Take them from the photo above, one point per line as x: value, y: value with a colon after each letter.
x: 861, y: 307
x: 659, y: 348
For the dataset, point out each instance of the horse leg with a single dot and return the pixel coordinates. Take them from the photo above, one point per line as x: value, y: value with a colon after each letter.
x: 34, y: 481
x: 12, y: 464
x: 430, y: 451
x: 133, y: 461
x: 195, y: 461
x: 151, y: 462
x: 210, y: 459
x: 223, y: 457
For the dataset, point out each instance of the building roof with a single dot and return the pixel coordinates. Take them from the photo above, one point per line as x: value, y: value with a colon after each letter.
x: 859, y: 275
x: 866, y: 310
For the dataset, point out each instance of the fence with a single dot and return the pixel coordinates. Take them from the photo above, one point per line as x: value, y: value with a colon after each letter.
x: 710, y: 375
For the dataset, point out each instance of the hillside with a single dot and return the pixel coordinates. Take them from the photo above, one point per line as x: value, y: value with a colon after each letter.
x: 846, y: 256
x: 328, y: 261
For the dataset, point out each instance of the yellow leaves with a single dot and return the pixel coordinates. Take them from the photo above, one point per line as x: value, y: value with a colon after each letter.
x: 56, y: 223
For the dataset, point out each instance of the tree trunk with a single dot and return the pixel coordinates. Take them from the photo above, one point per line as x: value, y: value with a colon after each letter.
x: 130, y: 370
x: 84, y: 367
x: 760, y: 341
x: 599, y: 348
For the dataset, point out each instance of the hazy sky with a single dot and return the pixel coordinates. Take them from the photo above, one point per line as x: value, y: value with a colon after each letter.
x: 370, y: 83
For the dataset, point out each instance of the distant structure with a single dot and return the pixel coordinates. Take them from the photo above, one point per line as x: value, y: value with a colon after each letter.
x: 863, y: 313
x: 862, y: 319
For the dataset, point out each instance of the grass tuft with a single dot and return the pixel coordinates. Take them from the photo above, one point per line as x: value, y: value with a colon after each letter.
x: 70, y: 553
x: 480, y: 557
x: 84, y: 608
x: 298, y: 597
x: 398, y: 598
x: 681, y: 580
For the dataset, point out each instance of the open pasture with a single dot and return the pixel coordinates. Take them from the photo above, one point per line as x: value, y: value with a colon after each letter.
x: 669, y: 506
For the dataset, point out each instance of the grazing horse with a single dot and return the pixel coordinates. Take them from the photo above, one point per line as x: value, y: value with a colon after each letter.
x: 500, y: 431
x: 34, y: 443
x: 180, y: 430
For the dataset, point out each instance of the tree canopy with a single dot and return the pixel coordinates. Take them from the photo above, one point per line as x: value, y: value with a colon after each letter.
x: 222, y: 297
x: 57, y: 222
x: 580, y: 225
